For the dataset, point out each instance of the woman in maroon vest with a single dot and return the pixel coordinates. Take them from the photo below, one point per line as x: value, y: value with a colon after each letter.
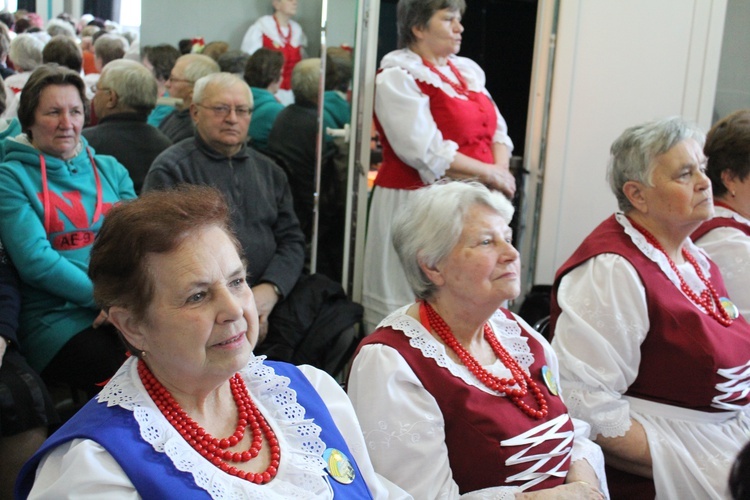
x: 726, y: 237
x: 435, y: 119
x: 652, y: 352
x: 454, y: 394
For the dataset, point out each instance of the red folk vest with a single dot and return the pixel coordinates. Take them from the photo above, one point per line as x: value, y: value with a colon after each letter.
x: 685, y: 349
x: 477, y: 422
x: 292, y: 55
x: 471, y: 123
x: 718, y: 222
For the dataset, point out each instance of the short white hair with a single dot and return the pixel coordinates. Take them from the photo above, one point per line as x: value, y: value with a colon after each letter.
x: 429, y: 225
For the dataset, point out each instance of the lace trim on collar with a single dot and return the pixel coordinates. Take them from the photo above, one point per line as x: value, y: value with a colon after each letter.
x: 301, y: 472
x: 412, y: 63
x: 661, y: 260
x: 507, y: 332
x: 731, y: 214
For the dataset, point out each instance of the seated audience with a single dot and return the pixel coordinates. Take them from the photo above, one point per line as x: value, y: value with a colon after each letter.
x: 26, y: 410
x: 54, y: 195
x: 26, y: 54
x: 60, y: 27
x: 293, y: 139
x: 125, y: 95
x: 178, y: 125
x: 457, y: 382
x: 263, y: 74
x: 179, y: 297
x: 160, y: 59
x: 651, y: 354
x: 726, y: 237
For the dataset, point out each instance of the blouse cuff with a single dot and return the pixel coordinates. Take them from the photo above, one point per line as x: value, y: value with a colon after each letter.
x: 438, y: 161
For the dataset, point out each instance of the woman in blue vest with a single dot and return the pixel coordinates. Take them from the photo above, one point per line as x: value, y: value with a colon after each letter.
x: 458, y: 383
x: 193, y: 413
x: 652, y: 351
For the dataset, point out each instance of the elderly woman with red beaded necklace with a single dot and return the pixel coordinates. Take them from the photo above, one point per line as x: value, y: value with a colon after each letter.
x: 193, y: 414
x: 726, y: 237
x: 652, y: 352
x: 454, y: 381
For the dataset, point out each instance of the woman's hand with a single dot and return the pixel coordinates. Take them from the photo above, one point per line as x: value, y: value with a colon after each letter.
x: 500, y: 179
x: 265, y: 301
x: 573, y: 491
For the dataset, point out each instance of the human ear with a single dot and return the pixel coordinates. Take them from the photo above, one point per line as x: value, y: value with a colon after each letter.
x: 433, y: 273
x: 124, y: 320
x: 634, y: 191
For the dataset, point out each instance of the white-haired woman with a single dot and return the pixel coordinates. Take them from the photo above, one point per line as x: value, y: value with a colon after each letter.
x: 649, y: 355
x: 454, y: 381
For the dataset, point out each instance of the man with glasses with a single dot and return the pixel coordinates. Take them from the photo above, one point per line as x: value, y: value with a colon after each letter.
x: 255, y: 187
x: 178, y: 125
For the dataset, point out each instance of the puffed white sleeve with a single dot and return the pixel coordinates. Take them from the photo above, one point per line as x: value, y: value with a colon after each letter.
x: 342, y: 412
x: 253, y: 39
x: 729, y: 248
x: 404, y: 428
x: 81, y: 469
x: 604, y: 321
x: 404, y: 114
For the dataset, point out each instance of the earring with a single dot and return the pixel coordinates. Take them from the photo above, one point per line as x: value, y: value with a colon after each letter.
x: 143, y: 354
x: 734, y: 193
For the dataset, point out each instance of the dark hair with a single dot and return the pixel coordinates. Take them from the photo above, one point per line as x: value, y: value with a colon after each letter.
x: 157, y: 222
x: 2, y: 96
x: 728, y: 148
x: 339, y: 68
x: 42, y: 77
x: 185, y: 45
x: 7, y: 19
x: 162, y: 57
x: 233, y: 61
x: 22, y: 25
x: 63, y: 50
x: 739, y: 478
x: 417, y: 13
x: 263, y: 67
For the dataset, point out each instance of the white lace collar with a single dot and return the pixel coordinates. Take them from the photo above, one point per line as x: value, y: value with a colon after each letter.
x: 301, y: 471
x: 412, y: 63
x: 730, y: 214
x: 657, y: 256
x: 507, y: 332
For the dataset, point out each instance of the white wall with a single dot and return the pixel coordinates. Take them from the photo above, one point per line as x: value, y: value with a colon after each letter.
x: 618, y: 63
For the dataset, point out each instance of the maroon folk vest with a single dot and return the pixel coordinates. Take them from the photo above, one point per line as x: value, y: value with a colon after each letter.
x: 718, y: 222
x: 477, y: 422
x: 471, y: 123
x: 684, y: 348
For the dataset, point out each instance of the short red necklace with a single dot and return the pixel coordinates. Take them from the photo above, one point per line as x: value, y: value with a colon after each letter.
x: 501, y: 385
x: 461, y: 87
x: 709, y: 298
x: 287, y: 39
x: 213, y: 449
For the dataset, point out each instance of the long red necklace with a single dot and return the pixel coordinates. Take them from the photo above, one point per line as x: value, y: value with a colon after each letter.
x: 502, y: 385
x: 213, y: 449
x: 709, y: 297
x: 287, y: 39
x: 461, y: 87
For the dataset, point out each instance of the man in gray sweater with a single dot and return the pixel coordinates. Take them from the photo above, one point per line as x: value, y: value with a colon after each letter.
x: 256, y: 188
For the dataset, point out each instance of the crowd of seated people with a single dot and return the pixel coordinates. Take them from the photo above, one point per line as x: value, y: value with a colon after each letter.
x: 156, y: 210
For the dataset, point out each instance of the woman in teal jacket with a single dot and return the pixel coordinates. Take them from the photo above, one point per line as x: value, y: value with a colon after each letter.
x: 54, y: 194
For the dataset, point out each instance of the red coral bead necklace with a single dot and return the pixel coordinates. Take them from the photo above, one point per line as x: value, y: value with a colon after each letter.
x: 515, y: 388
x: 709, y: 298
x: 213, y: 449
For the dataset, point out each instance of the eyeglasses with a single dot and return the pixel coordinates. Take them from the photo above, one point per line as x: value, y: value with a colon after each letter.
x: 173, y: 79
x: 222, y: 111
